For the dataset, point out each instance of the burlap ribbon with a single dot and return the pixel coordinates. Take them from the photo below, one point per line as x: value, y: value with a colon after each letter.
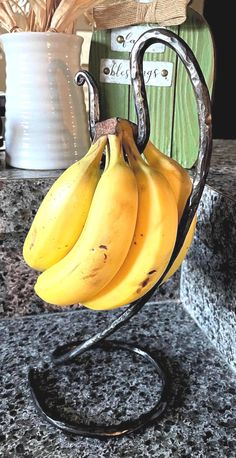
x: 122, y: 13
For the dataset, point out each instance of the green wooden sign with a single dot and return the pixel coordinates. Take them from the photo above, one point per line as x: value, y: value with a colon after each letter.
x: 172, y: 105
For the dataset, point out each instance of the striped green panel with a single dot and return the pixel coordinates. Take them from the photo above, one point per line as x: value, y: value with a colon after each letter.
x: 185, y: 140
x: 114, y: 98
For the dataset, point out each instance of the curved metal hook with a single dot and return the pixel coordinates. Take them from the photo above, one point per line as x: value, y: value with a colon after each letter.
x: 170, y: 39
x: 202, y: 96
x: 94, y: 111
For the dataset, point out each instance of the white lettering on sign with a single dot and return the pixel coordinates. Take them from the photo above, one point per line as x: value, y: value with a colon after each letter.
x: 117, y: 71
x: 123, y: 39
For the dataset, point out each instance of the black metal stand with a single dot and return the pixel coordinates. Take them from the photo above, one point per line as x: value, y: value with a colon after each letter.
x: 66, y: 354
x: 103, y: 431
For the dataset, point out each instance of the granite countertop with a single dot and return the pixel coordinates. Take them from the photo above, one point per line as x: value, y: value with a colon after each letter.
x: 198, y: 423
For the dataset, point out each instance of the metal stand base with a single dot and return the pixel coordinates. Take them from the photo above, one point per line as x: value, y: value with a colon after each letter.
x: 96, y: 430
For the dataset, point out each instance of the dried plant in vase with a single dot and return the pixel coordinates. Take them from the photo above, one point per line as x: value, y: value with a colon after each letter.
x: 46, y: 122
x: 42, y: 15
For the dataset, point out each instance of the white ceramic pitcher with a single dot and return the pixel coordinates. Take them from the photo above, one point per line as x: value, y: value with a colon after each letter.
x: 46, y: 123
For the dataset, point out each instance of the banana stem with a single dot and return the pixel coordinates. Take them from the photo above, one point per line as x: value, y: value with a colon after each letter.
x: 135, y: 159
x: 97, y: 149
x: 115, y: 149
x: 107, y: 157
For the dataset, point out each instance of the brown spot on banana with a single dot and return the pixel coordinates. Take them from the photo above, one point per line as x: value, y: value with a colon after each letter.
x: 143, y: 284
x: 89, y: 276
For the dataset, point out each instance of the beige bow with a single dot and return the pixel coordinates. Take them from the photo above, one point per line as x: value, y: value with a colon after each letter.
x: 128, y: 12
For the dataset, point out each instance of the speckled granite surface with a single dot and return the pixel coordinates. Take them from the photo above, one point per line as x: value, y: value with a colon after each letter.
x: 222, y: 174
x: 208, y: 277
x: 20, y: 199
x: 198, y: 423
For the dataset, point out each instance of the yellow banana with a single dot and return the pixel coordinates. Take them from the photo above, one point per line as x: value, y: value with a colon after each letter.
x: 181, y: 184
x: 63, y: 212
x: 154, y: 236
x: 185, y: 247
x: 105, y: 240
x: 178, y: 178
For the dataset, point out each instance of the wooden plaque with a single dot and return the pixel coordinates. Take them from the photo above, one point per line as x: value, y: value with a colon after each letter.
x: 172, y: 105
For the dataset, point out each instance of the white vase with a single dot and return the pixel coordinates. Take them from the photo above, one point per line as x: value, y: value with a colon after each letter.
x: 46, y: 123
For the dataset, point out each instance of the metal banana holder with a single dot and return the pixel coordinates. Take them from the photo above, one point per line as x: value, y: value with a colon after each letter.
x: 67, y: 353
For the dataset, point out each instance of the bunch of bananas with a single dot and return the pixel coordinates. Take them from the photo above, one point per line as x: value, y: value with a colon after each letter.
x: 104, y: 239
